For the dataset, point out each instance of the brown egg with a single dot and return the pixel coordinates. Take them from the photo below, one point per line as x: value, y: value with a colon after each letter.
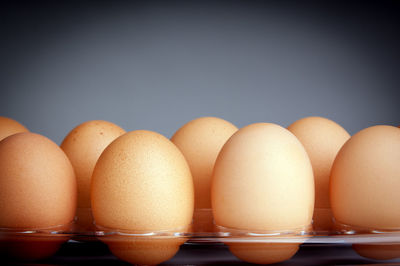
x: 142, y: 183
x: 364, y: 187
x: 200, y: 141
x: 264, y: 253
x: 37, y: 191
x: 9, y: 127
x: 144, y: 251
x: 263, y: 182
x: 378, y: 251
x: 322, y: 138
x: 37, y: 183
x: 83, y: 146
x: 365, y: 178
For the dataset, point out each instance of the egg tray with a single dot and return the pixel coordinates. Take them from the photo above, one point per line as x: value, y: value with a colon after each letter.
x: 231, y: 236
x: 36, y: 244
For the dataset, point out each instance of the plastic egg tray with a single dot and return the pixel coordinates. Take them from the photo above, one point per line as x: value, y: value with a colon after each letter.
x: 31, y: 245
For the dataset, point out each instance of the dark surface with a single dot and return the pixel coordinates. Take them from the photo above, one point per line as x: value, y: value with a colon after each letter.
x: 96, y: 253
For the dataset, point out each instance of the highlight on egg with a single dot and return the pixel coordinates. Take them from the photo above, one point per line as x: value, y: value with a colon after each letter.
x: 200, y: 141
x: 9, y: 127
x: 83, y: 146
x: 322, y: 138
x: 263, y: 182
x: 142, y: 184
x: 37, y: 192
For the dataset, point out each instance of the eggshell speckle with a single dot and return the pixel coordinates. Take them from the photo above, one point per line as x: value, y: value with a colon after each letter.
x: 365, y: 179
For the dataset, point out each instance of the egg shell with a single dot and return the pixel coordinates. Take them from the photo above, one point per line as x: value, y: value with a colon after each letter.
x: 263, y: 180
x: 142, y: 182
x: 83, y: 146
x: 378, y: 251
x: 9, y: 127
x: 365, y: 179
x: 264, y: 253
x: 322, y: 138
x: 144, y: 251
x: 200, y: 141
x: 37, y: 183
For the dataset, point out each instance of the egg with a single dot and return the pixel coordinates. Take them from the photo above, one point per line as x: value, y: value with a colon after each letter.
x: 9, y: 127
x: 322, y: 138
x: 378, y: 251
x: 364, y: 185
x: 263, y: 182
x: 83, y: 146
x: 144, y: 251
x: 265, y: 253
x: 200, y: 141
x: 37, y: 183
x: 37, y: 191
x: 364, y: 180
x: 142, y: 183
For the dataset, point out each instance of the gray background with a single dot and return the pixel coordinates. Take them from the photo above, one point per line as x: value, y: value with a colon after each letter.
x: 157, y: 65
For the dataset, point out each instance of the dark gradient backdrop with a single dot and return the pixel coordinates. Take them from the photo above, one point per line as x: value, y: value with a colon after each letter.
x: 156, y: 65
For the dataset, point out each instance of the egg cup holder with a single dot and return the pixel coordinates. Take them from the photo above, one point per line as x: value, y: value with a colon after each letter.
x: 153, y: 247
x: 378, y: 244
x: 33, y: 244
x: 143, y: 247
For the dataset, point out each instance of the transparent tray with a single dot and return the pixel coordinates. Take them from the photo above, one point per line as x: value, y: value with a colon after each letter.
x: 160, y: 246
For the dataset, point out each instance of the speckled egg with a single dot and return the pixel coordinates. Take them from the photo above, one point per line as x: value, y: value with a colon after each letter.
x: 37, y: 183
x: 142, y: 182
x: 37, y: 192
x: 83, y: 146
